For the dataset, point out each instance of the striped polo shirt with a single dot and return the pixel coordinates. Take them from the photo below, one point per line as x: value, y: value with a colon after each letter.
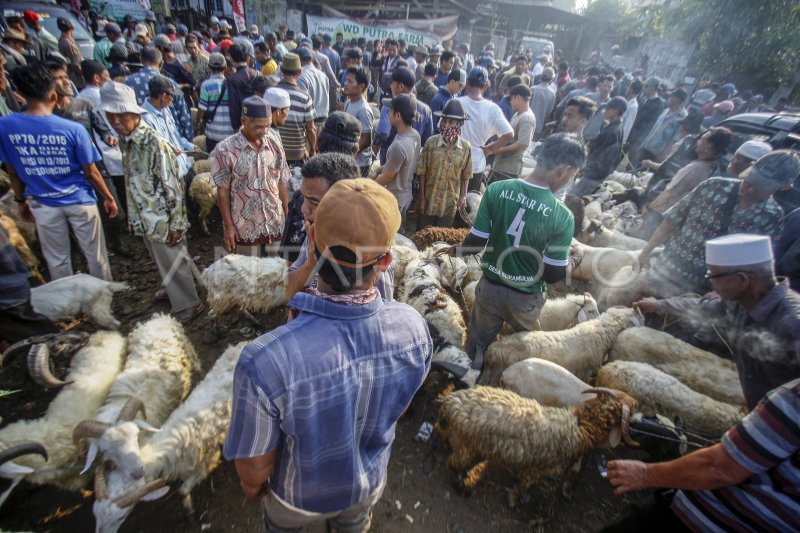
x: 293, y: 133
x: 210, y: 93
x: 766, y: 442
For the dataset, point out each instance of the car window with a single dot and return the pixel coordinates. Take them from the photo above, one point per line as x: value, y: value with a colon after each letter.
x: 48, y: 17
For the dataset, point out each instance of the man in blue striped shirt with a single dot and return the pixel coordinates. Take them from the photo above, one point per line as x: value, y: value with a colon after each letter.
x: 213, y: 112
x: 316, y: 401
x: 748, y: 482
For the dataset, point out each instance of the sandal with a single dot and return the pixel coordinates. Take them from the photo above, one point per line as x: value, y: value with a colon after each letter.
x: 187, y: 315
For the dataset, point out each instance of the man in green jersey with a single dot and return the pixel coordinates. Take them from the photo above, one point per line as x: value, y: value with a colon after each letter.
x: 526, y: 232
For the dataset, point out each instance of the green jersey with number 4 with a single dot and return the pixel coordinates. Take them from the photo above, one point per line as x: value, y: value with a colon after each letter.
x: 527, y: 227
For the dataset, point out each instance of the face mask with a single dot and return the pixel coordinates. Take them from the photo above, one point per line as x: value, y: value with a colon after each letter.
x: 450, y: 134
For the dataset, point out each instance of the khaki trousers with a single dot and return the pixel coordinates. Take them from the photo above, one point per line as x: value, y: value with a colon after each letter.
x: 53, y: 225
x: 280, y: 517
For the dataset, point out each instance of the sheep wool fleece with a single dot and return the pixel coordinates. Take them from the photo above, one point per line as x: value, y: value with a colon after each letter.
x: 326, y: 390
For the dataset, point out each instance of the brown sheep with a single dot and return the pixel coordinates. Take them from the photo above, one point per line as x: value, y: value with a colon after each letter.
x: 530, y: 440
x: 428, y: 236
x: 19, y: 243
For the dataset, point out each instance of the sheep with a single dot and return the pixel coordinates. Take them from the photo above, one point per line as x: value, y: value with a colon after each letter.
x: 658, y: 392
x: 621, y: 288
x: 401, y: 256
x: 202, y: 167
x: 204, y: 195
x: 469, y: 294
x: 428, y: 236
x: 186, y: 449
x: 11, y: 209
x: 246, y: 283
x: 531, y: 441
x: 91, y: 374
x: 597, y: 235
x: 13, y: 471
x: 78, y: 294
x: 402, y: 240
x: 564, y: 313
x: 157, y: 376
x: 546, y: 382
x: 699, y: 370
x: 625, y: 179
x: 200, y: 142
x: 580, y: 349
x: 602, y: 264
x: 423, y: 291
x: 19, y: 243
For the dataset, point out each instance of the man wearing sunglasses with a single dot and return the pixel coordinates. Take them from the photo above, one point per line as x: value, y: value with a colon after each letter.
x: 757, y: 315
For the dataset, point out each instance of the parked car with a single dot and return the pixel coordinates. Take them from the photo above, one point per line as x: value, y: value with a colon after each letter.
x: 48, y: 15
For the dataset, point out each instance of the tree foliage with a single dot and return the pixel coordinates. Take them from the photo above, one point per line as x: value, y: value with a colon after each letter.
x: 753, y: 37
x: 758, y: 38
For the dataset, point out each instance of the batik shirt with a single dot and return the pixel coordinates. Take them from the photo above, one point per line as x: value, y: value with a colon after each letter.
x: 155, y: 195
x: 253, y: 175
x: 699, y: 217
x: 444, y: 167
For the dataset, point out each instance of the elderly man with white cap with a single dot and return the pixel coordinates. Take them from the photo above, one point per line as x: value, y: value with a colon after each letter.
x: 716, y: 207
x: 757, y: 315
x: 250, y: 172
x: 155, y: 197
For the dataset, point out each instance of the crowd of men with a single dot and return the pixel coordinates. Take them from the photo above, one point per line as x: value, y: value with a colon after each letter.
x: 390, y: 138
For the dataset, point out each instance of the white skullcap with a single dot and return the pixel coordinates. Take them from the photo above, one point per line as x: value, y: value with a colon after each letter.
x: 754, y: 150
x: 738, y: 250
x: 277, y: 98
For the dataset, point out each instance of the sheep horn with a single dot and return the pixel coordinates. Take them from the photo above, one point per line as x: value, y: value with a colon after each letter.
x: 39, y: 367
x: 600, y: 391
x: 626, y: 426
x: 88, y: 429
x: 129, y: 410
x: 100, y: 483
x: 12, y: 451
x: 133, y: 496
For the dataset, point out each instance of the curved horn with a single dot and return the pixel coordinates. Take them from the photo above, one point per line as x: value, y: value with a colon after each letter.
x: 600, y: 391
x: 88, y: 429
x: 100, y: 483
x: 626, y: 426
x: 39, y: 367
x: 129, y: 410
x: 133, y: 496
x: 12, y: 451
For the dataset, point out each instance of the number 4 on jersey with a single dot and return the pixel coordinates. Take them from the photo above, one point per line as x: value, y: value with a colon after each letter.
x: 517, y: 226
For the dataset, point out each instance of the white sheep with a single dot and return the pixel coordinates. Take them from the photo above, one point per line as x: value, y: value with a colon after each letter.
x: 625, y: 179
x: 246, y: 283
x: 469, y: 294
x: 186, y: 449
x: 401, y: 256
x: 564, y: 313
x: 529, y: 440
x: 204, y: 195
x: 156, y: 377
x: 598, y: 236
x: 621, y: 288
x: 602, y: 264
x: 402, y: 240
x: 544, y: 381
x: 659, y: 393
x: 423, y: 291
x: 79, y: 294
x: 580, y: 349
x: 91, y: 374
x: 699, y: 370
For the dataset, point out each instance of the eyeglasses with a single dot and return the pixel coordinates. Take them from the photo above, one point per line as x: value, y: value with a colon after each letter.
x: 709, y: 275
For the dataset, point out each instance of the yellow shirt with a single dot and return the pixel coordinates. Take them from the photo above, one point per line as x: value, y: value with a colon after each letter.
x: 269, y: 68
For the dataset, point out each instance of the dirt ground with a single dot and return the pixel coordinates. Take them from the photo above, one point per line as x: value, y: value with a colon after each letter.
x: 418, y: 496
